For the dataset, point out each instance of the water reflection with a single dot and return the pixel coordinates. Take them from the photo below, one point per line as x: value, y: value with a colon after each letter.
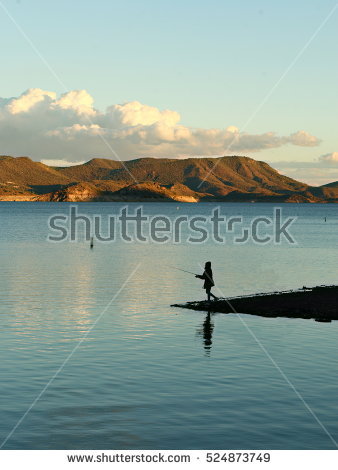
x: 141, y: 357
x: 206, y: 332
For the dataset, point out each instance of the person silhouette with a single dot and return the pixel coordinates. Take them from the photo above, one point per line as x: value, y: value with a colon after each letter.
x: 208, y: 280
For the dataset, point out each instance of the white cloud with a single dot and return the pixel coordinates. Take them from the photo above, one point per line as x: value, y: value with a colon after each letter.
x: 316, y: 172
x: 79, y: 101
x: 329, y: 157
x: 232, y: 129
x: 70, y: 132
x: 303, y: 139
x: 52, y: 162
x: 135, y: 113
x: 40, y: 124
x: 29, y: 100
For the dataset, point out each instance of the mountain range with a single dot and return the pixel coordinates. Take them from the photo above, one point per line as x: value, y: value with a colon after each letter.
x: 232, y: 178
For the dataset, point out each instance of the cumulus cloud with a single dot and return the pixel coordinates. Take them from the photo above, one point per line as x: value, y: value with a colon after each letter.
x: 56, y: 162
x: 329, y: 157
x: 78, y: 101
x: 40, y: 124
x: 29, y: 100
x: 316, y: 172
x: 303, y: 139
x: 138, y: 114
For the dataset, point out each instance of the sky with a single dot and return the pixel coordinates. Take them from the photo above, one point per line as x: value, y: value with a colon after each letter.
x: 132, y: 79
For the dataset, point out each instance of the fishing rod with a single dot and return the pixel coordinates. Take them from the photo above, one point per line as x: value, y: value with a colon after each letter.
x: 185, y: 271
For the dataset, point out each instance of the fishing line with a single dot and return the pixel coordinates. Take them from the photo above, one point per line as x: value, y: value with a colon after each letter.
x: 184, y: 270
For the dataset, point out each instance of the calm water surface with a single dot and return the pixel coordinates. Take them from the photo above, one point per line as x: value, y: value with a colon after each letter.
x: 149, y: 376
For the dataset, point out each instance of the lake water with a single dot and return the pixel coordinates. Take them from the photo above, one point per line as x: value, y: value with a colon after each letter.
x: 148, y: 376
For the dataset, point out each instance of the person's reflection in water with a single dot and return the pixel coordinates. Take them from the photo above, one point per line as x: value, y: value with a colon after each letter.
x: 206, y: 331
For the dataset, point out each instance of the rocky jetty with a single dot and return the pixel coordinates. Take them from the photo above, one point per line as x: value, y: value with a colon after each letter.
x: 319, y: 303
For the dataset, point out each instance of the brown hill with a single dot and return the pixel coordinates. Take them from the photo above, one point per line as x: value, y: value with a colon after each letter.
x: 334, y: 184
x: 72, y: 193
x: 95, y: 169
x: 83, y: 191
x: 112, y: 191
x: 154, y: 191
x: 226, y: 179
x: 26, y: 172
x: 214, y: 176
x: 327, y: 192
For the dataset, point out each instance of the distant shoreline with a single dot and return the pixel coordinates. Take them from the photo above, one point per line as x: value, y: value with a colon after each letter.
x: 159, y: 201
x: 192, y: 180
x: 14, y: 198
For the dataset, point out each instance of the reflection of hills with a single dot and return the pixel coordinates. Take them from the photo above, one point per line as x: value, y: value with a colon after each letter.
x: 192, y: 179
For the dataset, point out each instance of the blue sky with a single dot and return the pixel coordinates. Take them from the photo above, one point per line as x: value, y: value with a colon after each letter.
x: 212, y: 62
